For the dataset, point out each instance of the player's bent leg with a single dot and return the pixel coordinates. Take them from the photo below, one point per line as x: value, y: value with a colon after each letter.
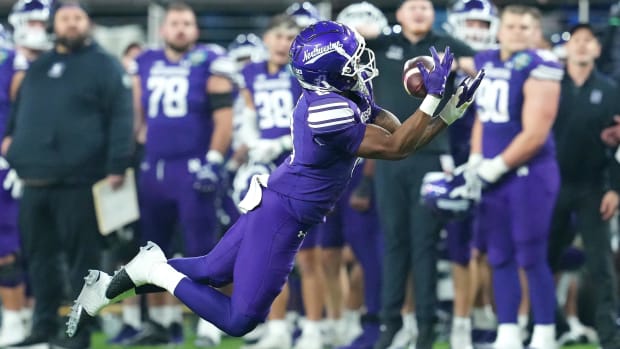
x: 265, y: 258
x: 215, y: 268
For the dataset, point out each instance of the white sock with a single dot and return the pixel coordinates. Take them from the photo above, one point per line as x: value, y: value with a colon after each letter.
x: 543, y: 337
x: 312, y: 328
x: 574, y: 323
x: 352, y: 316
x: 11, y: 318
x: 131, y: 315
x: 277, y: 326
x: 165, y: 276
x: 461, y: 322
x: 523, y: 320
x: 410, y: 323
x: 159, y: 314
x: 26, y: 314
x: 175, y: 313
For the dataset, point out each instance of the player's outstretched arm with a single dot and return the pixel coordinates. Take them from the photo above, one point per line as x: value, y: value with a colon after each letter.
x: 420, y: 128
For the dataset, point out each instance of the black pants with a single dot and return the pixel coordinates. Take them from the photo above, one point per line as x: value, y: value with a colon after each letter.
x: 57, y: 222
x: 411, y: 234
x: 584, y: 202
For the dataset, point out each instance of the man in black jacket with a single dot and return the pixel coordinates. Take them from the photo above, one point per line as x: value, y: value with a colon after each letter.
x: 411, y: 230
x: 70, y: 126
x: 590, y: 183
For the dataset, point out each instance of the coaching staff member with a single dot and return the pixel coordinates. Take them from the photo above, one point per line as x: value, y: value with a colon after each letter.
x: 411, y: 230
x: 588, y: 197
x: 71, y: 126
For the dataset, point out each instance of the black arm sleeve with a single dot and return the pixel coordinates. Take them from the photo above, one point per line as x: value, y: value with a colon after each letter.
x: 117, y: 103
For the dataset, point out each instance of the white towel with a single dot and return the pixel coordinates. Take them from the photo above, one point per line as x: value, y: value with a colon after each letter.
x: 255, y: 193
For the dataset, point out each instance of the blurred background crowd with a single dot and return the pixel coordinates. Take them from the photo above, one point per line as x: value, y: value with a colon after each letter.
x: 196, y: 97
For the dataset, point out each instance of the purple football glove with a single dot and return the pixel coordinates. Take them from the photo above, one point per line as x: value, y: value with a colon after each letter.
x: 209, y: 177
x: 435, y: 80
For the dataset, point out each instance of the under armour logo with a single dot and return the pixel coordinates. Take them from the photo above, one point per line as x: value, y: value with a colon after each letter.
x: 301, y: 234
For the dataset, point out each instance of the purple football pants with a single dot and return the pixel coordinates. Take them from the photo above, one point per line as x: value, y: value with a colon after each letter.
x: 257, y: 254
x: 167, y: 197
x: 516, y: 216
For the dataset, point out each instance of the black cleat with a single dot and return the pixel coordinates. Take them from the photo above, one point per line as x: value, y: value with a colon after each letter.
x: 120, y: 283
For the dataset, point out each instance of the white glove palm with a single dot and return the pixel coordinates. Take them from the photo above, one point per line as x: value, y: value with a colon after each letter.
x: 461, y: 99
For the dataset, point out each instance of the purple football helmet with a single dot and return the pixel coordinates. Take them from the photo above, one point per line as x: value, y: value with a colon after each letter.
x: 23, y: 16
x: 304, y: 13
x: 437, y: 193
x: 329, y: 56
x: 246, y: 47
x: 473, y: 10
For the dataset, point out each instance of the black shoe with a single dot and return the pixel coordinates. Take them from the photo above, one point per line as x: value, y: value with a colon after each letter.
x: 37, y: 340
x: 426, y: 336
x: 78, y: 342
x: 151, y: 333
x: 388, y: 331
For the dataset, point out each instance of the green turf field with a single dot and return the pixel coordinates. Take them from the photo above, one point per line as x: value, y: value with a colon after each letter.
x: 99, y: 343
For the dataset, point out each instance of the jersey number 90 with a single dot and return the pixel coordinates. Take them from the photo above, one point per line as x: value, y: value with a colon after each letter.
x: 492, y: 100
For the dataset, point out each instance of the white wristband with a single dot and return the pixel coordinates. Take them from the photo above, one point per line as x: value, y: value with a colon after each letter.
x: 429, y: 104
x: 474, y: 159
x: 214, y: 157
x: 491, y: 170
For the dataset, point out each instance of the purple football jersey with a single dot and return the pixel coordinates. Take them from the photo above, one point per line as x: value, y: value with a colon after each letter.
x: 327, y: 131
x: 7, y: 70
x: 274, y: 97
x: 499, y: 100
x: 175, y: 103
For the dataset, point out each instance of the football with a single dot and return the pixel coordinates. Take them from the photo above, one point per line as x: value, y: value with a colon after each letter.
x: 412, y: 77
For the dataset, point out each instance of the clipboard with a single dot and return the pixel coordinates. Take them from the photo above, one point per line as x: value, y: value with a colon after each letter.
x: 116, y: 208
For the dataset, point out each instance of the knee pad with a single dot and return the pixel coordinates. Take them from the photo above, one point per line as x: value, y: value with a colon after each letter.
x: 12, y: 274
x: 531, y: 253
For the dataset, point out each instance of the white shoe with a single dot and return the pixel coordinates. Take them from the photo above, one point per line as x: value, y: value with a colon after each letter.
x: 460, y: 338
x: 90, y: 300
x: 256, y: 333
x: 138, y: 271
x: 140, y: 266
x: 508, y: 337
x: 11, y: 332
x: 484, y: 319
x: 272, y: 340
x: 407, y: 336
x: 543, y: 337
x: 352, y: 328
x: 309, y: 340
x: 207, y: 335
